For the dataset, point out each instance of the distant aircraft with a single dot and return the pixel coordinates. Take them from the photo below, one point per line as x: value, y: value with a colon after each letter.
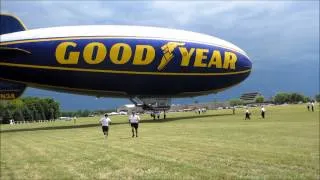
x: 148, y: 65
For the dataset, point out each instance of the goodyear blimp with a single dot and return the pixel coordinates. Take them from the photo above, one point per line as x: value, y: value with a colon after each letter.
x: 149, y: 65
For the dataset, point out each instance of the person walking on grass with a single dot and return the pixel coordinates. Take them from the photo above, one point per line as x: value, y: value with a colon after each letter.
x: 247, y: 114
x: 263, y: 111
x: 105, y: 121
x: 312, y: 106
x: 134, y: 122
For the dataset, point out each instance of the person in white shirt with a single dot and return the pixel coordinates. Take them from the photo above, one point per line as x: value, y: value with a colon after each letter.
x: 247, y: 114
x: 105, y: 124
x: 134, y: 122
x: 263, y: 110
x: 312, y: 106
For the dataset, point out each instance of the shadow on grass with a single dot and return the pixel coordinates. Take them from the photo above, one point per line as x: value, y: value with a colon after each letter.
x: 169, y: 119
x: 196, y: 116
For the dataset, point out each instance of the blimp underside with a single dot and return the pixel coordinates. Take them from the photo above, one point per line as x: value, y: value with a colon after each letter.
x: 121, y: 61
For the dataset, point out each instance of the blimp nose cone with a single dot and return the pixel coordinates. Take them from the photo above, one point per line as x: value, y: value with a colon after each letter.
x: 247, y: 63
x: 243, y: 62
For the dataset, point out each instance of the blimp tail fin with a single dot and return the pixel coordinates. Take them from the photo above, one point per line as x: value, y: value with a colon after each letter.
x: 11, y: 90
x: 10, y: 23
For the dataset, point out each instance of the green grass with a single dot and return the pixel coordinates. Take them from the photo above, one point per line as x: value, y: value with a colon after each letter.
x: 217, y: 145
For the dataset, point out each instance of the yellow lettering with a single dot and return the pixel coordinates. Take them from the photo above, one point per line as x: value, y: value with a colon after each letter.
x: 200, y: 56
x: 215, y: 59
x: 186, y: 55
x: 61, y: 52
x: 7, y: 96
x: 100, y: 55
x: 149, y: 56
x: 230, y: 60
x: 115, y: 52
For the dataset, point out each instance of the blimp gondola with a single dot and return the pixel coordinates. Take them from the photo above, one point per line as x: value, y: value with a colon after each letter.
x: 148, y: 65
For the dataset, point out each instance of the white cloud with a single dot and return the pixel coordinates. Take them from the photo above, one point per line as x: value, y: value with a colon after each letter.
x: 266, y: 30
x: 279, y: 36
x: 222, y: 12
x: 57, y: 13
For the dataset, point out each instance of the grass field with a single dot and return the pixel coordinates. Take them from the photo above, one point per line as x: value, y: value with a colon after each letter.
x: 216, y: 145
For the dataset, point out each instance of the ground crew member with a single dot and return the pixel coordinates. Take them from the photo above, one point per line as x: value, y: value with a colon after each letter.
x: 247, y: 114
x: 105, y: 124
x: 134, y: 122
x: 263, y: 111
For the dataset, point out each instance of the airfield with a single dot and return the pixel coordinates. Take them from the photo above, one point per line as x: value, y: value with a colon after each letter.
x: 213, y: 145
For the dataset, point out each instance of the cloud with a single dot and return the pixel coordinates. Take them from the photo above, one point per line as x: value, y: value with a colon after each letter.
x: 279, y: 36
x: 37, y: 14
x: 223, y: 13
x: 267, y: 31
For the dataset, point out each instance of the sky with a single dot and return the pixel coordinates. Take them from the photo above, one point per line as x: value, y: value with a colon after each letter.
x: 280, y: 37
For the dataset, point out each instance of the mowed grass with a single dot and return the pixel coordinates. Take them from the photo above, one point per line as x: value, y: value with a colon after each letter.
x: 215, y: 145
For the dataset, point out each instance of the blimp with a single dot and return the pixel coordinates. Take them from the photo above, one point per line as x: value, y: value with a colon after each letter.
x: 148, y: 65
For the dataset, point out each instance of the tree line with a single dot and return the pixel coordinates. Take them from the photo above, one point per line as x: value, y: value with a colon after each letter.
x: 84, y: 113
x: 29, y: 109
x: 34, y: 109
x: 279, y: 98
x: 290, y: 98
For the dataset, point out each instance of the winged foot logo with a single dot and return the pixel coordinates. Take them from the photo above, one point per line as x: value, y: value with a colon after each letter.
x: 167, y: 50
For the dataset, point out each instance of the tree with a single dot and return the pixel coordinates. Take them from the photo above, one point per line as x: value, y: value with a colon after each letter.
x: 52, y: 108
x: 85, y: 113
x: 235, y: 102
x: 260, y: 99
x: 296, y: 97
x: 68, y: 114
x: 42, y: 109
x: 34, y: 107
x: 39, y: 111
x: 78, y: 113
x: 55, y: 106
x: 15, y: 108
x: 318, y: 97
x: 306, y: 99
x: 6, y: 116
x: 17, y: 115
x: 281, y: 98
x: 45, y: 108
x: 27, y: 114
x: 2, y: 109
x: 29, y: 109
